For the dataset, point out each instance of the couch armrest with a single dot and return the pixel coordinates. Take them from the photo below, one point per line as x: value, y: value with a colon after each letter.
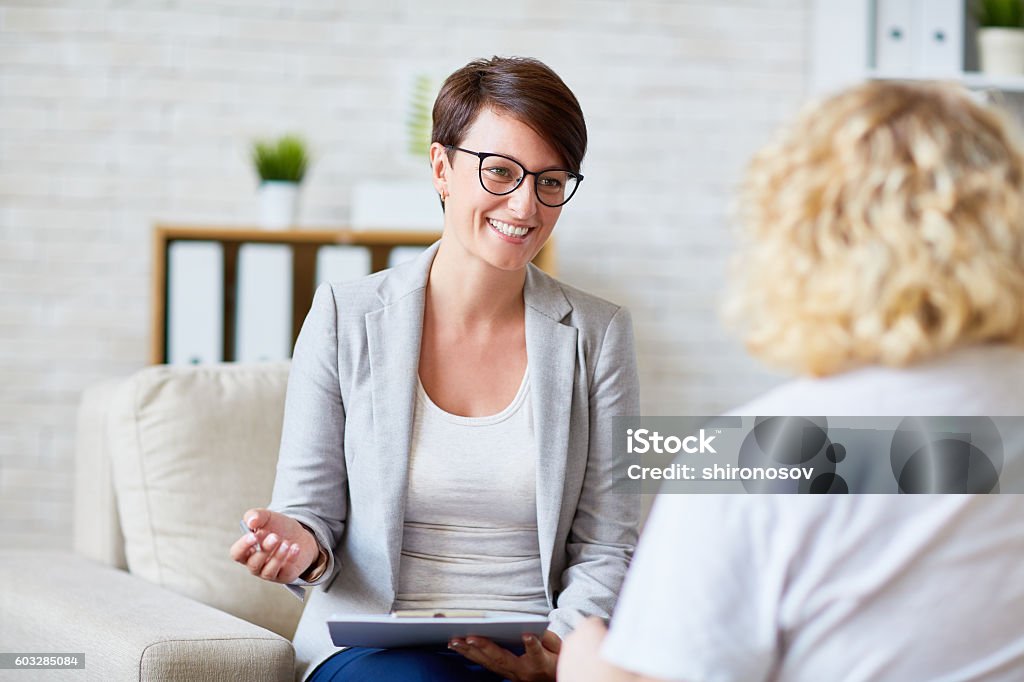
x: 96, y: 526
x: 128, y: 629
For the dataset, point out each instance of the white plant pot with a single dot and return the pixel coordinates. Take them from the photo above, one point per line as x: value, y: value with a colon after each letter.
x: 1001, y: 51
x: 279, y: 204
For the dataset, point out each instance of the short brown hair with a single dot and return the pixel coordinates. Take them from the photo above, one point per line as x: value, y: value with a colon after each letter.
x: 884, y: 226
x: 522, y: 87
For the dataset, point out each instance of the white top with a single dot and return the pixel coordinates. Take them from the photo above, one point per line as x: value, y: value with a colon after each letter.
x: 982, y: 380
x: 470, y: 539
x: 859, y: 587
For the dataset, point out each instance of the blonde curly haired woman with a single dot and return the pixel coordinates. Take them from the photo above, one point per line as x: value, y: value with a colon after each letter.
x: 882, y: 260
x: 884, y: 228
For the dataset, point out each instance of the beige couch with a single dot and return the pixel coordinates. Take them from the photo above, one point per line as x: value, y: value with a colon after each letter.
x: 166, y: 462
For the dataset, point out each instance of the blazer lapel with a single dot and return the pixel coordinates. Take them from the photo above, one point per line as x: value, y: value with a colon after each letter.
x: 393, y: 335
x: 551, y: 353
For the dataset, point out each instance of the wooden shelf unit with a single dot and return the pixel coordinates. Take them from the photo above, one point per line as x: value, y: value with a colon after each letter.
x: 304, y: 245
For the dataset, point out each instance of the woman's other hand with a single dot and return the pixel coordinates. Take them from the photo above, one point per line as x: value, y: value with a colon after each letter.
x: 537, y: 664
x: 278, y: 549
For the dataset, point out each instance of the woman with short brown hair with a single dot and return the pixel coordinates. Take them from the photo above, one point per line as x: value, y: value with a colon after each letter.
x: 447, y: 437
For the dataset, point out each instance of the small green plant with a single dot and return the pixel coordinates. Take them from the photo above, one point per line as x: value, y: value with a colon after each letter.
x: 284, y: 159
x: 419, y: 122
x: 999, y: 13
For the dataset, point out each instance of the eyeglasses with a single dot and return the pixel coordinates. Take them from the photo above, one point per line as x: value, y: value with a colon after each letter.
x: 501, y: 175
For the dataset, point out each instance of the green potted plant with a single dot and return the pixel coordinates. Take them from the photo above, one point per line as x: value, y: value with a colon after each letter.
x: 419, y: 120
x: 281, y: 165
x: 405, y: 200
x: 1000, y: 36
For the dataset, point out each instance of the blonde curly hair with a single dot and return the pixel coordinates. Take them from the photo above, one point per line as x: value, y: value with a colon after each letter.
x: 884, y: 226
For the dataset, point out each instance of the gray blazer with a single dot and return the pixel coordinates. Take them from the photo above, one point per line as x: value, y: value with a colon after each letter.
x: 348, y: 421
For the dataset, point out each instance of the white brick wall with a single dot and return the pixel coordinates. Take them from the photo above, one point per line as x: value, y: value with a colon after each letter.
x: 114, y: 115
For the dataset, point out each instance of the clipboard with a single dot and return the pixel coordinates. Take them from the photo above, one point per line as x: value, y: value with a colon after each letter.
x: 415, y: 629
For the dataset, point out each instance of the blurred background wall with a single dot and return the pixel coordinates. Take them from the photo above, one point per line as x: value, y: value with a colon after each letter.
x: 116, y: 114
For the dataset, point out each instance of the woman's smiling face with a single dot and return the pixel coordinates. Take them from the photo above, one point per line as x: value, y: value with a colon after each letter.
x: 487, y: 226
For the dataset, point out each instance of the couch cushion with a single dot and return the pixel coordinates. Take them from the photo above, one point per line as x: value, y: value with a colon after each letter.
x: 193, y: 447
x: 127, y: 628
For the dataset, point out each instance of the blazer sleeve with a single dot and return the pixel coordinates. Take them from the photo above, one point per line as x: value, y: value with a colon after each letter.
x: 604, y: 531
x: 312, y: 482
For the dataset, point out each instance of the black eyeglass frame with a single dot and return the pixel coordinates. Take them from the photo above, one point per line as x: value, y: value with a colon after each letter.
x: 536, y: 175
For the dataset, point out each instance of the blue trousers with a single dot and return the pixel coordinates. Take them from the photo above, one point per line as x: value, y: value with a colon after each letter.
x: 427, y: 664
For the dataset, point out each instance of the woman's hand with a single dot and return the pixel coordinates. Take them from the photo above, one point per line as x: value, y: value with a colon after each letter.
x: 537, y: 664
x: 286, y: 547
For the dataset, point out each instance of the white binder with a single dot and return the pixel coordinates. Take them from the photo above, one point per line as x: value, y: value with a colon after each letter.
x: 940, y: 49
x: 263, y: 317
x: 341, y: 263
x: 895, y: 37
x: 195, y: 288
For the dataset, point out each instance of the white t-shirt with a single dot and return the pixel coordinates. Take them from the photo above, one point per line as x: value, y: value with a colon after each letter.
x: 470, y: 536
x: 859, y: 587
